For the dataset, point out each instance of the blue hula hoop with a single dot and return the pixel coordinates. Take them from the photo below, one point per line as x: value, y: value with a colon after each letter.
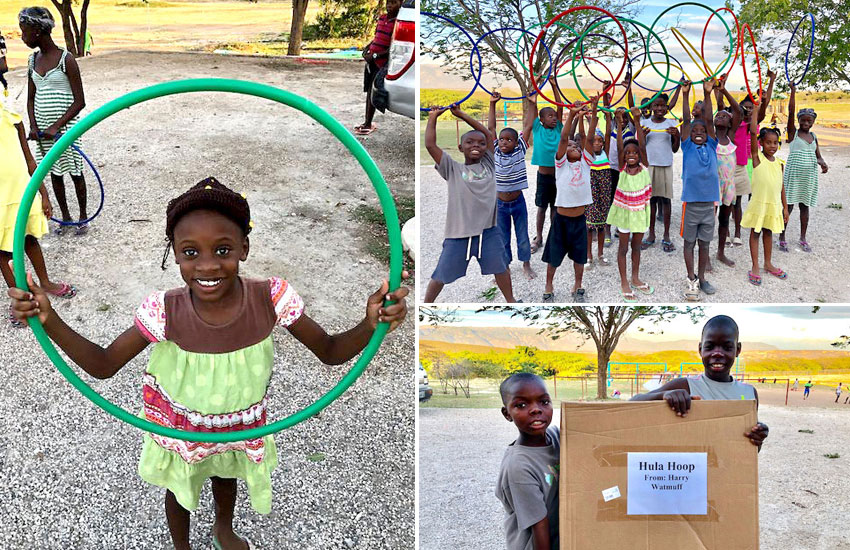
x: 474, y: 49
x: 811, y: 49
x: 97, y: 177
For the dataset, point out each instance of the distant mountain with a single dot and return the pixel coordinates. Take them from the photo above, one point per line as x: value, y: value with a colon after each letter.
x: 510, y: 337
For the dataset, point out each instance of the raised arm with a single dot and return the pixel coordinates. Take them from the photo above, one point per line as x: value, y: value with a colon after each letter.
x: 456, y: 111
x: 640, y: 137
x: 491, y: 115
x: 607, y: 139
x: 765, y: 101
x: 567, y: 131
x: 685, y: 85
x: 707, y: 110
x: 620, y: 119
x: 431, y: 134
x: 754, y: 142
x: 591, y: 128
x: 559, y: 110
x: 792, y: 107
x: 737, y: 112
x: 674, y: 99
x: 529, y: 113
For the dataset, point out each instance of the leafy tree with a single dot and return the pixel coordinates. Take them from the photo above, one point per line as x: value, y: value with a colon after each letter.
x: 75, y: 35
x: 347, y: 18
x: 774, y: 20
x: 603, y: 324
x: 498, y: 50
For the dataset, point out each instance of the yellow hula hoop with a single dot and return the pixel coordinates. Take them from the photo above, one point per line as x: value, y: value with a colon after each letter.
x: 685, y: 45
x: 760, y: 59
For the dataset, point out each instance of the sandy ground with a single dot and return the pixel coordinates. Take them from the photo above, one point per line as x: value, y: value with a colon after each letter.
x: 802, y: 494
x: 69, y: 469
x: 806, y: 282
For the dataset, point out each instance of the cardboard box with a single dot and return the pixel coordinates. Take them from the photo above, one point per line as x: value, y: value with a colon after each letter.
x: 596, y: 439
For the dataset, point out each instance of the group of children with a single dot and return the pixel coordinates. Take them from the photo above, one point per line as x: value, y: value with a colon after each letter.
x: 527, y: 485
x: 595, y: 184
x: 213, y: 351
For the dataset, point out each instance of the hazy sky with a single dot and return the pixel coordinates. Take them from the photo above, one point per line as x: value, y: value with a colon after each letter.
x: 691, y: 23
x: 787, y: 327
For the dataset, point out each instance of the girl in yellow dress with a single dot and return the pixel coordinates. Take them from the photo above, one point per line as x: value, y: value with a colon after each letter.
x: 16, y: 167
x: 767, y: 210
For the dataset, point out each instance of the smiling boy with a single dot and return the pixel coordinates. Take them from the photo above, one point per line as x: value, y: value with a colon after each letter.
x: 719, y: 347
x: 470, y: 209
x: 528, y: 477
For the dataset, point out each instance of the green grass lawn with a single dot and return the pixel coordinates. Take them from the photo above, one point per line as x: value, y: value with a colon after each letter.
x: 484, y: 393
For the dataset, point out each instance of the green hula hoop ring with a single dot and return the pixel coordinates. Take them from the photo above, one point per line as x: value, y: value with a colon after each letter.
x: 213, y: 85
x: 728, y: 31
x: 540, y: 24
x: 580, y: 42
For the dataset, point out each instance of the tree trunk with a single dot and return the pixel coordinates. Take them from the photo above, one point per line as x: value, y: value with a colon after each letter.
x: 602, y: 358
x: 65, y: 11
x: 84, y: 23
x: 299, y: 12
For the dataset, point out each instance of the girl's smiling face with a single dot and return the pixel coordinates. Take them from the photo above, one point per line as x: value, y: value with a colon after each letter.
x: 208, y: 247
x: 631, y: 154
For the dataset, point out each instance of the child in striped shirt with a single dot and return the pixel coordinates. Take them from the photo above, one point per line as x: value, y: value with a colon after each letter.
x: 511, y: 179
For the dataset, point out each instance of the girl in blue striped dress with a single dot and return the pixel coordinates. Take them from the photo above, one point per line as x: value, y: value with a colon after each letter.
x: 54, y: 101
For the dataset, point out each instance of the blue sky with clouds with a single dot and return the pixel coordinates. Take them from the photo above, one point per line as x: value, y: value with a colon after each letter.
x: 691, y: 21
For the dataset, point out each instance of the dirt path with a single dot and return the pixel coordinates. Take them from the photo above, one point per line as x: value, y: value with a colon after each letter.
x: 829, y: 230
x: 68, y: 468
x: 802, y: 494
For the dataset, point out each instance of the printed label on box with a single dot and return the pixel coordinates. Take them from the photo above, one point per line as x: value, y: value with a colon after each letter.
x: 611, y: 494
x: 667, y: 483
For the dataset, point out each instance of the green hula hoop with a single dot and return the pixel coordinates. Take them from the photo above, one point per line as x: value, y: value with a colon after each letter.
x: 212, y: 85
x: 728, y: 31
x: 580, y: 42
x: 519, y: 57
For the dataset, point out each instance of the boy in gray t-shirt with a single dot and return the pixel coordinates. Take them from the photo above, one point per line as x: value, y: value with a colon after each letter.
x: 528, y: 478
x: 471, y: 207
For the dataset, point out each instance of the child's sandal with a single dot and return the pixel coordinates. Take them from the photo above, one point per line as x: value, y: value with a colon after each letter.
x: 754, y: 279
x: 779, y: 274
x: 805, y: 246
x: 783, y: 246
x: 628, y: 297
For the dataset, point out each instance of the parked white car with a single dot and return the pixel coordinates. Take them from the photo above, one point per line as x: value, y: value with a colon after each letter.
x: 394, y: 88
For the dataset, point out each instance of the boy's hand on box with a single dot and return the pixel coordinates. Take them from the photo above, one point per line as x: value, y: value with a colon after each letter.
x: 679, y: 401
x: 757, y: 434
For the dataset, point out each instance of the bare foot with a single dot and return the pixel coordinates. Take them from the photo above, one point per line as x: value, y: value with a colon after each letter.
x: 529, y: 273
x: 708, y: 268
x: 228, y: 540
x: 725, y: 261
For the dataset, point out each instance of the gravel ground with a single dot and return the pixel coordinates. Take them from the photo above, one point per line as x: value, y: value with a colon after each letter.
x: 828, y: 232
x: 69, y: 469
x: 802, y: 494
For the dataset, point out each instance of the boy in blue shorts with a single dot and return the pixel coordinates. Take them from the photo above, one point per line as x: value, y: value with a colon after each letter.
x: 471, y: 208
x: 528, y: 477
x: 546, y: 133
x: 700, y: 188
x: 568, y: 231
x: 511, y: 179
x: 719, y: 346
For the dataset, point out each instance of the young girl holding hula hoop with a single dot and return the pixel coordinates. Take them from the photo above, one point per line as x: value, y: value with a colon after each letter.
x: 724, y: 122
x: 54, y: 101
x: 213, y: 354
x: 801, y: 170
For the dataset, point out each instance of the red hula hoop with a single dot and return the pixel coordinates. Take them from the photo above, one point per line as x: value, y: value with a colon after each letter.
x: 744, y: 64
x: 555, y: 19
x: 737, y: 40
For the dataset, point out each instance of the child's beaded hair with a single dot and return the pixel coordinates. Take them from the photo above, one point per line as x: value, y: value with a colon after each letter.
x: 763, y: 132
x: 209, y: 194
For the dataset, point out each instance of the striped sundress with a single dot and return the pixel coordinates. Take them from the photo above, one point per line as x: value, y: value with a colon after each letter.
x: 53, y: 97
x: 801, y: 172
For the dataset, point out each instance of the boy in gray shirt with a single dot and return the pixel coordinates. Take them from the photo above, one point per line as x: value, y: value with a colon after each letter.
x: 528, y: 478
x: 471, y: 207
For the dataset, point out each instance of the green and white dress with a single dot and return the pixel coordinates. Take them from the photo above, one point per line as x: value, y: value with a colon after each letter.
x: 801, y: 172
x: 53, y: 98
x: 207, y: 378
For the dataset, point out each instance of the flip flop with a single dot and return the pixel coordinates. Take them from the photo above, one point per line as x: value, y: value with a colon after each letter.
x: 737, y: 241
x: 668, y: 246
x: 805, y: 246
x: 644, y: 244
x: 607, y: 242
x: 548, y: 297
x: 81, y: 229
x: 628, y: 297
x: 779, y: 274
x: 754, y: 279
x: 65, y: 291
x: 361, y: 131
x: 646, y: 288
x: 783, y: 246
x: 61, y: 230
x: 603, y: 262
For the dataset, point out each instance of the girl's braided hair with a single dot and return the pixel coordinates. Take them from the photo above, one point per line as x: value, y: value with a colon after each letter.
x: 209, y: 194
